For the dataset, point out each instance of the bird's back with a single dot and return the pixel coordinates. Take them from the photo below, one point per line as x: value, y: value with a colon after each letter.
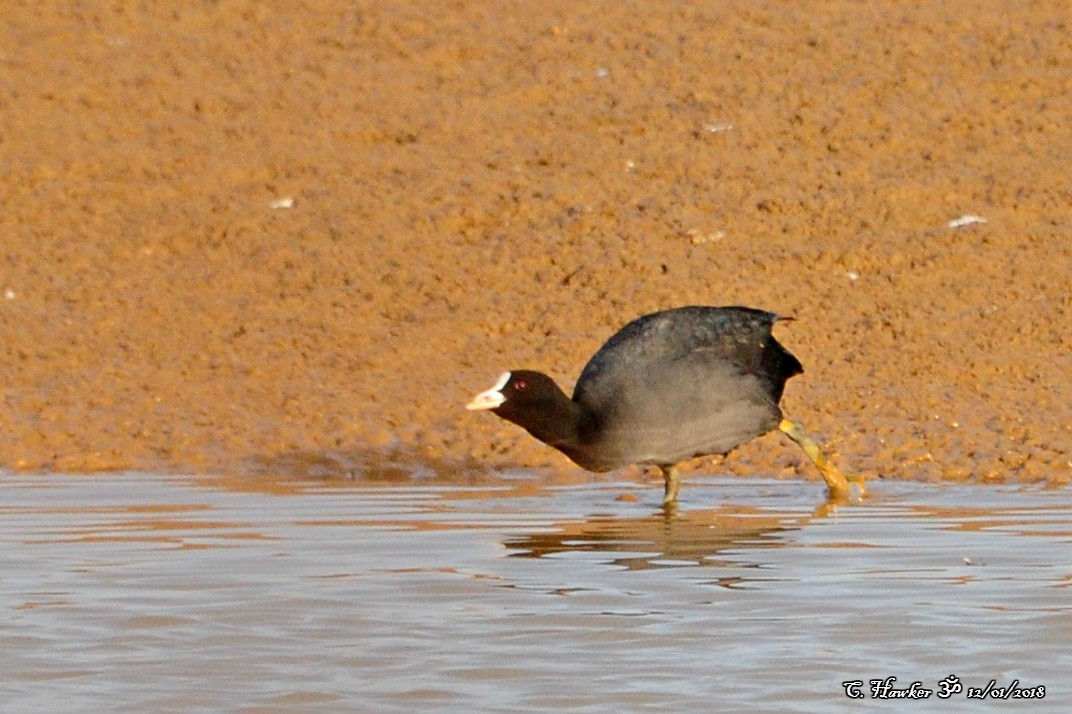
x: 684, y: 382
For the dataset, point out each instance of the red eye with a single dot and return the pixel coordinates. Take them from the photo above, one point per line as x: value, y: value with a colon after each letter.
x: 521, y: 385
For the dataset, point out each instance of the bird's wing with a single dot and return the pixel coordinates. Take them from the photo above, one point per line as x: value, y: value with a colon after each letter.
x: 697, y: 404
x: 736, y: 335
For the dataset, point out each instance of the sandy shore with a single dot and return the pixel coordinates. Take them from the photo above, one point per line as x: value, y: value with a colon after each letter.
x: 239, y: 237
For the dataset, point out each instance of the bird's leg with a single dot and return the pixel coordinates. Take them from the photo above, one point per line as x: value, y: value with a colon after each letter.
x: 837, y: 485
x: 673, y: 484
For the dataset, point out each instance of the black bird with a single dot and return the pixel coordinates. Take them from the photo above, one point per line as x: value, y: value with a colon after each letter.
x: 667, y: 387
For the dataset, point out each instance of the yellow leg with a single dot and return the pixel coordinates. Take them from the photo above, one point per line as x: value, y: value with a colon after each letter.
x: 836, y: 484
x: 673, y: 484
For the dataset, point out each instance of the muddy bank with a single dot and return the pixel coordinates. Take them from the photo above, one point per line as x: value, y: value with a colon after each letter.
x: 238, y: 237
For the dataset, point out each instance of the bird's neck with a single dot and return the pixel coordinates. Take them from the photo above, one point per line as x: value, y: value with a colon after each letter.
x: 558, y: 428
x: 558, y: 422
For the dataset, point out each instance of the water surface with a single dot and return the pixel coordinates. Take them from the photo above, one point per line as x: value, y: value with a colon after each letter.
x: 138, y: 592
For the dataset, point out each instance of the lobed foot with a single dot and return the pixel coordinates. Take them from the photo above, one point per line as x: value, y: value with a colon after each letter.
x: 836, y: 483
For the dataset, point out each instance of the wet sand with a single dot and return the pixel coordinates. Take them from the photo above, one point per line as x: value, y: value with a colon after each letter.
x: 240, y: 238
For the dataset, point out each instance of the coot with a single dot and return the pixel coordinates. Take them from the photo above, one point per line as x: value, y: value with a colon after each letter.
x: 667, y: 387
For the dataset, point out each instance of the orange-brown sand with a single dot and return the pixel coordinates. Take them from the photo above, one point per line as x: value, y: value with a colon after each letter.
x: 240, y: 235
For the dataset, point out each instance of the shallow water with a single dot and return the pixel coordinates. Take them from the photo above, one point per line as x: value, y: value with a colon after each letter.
x: 143, y: 593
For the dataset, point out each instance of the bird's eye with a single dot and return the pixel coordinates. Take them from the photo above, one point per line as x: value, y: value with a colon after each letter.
x: 521, y: 385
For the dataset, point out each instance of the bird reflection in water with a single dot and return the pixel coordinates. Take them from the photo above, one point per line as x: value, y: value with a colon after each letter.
x: 669, y: 537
